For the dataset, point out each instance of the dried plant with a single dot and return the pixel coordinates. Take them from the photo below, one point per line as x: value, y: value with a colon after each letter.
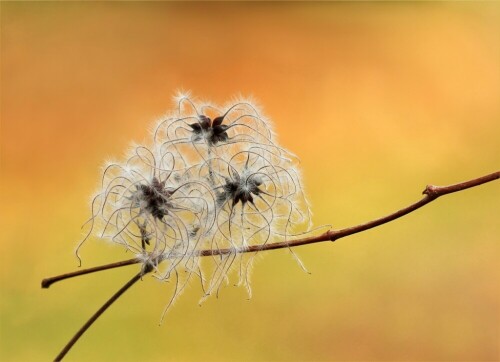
x: 212, y: 182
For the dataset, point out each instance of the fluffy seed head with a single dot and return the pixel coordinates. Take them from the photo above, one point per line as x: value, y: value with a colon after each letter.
x: 210, y: 178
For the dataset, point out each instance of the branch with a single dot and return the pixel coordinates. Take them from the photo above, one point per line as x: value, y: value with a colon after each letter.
x: 431, y: 193
x: 47, y: 282
x: 101, y: 310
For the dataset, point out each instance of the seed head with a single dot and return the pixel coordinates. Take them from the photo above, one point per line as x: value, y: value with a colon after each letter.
x: 212, y: 132
x: 210, y: 178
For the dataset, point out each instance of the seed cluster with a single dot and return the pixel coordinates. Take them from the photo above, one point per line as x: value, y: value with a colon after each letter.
x: 210, y: 178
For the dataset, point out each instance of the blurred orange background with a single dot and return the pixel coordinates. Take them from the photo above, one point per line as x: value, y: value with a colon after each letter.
x: 377, y: 100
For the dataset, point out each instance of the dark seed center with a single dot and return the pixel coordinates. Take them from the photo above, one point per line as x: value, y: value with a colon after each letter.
x: 156, y: 197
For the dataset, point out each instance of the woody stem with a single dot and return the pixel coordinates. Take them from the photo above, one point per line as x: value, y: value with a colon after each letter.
x: 431, y: 193
x: 100, y: 311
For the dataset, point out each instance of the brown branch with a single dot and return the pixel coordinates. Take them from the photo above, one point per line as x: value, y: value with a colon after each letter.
x: 431, y: 193
x: 47, y: 282
x: 100, y: 311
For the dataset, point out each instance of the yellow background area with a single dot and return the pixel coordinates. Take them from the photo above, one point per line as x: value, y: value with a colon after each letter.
x: 377, y: 100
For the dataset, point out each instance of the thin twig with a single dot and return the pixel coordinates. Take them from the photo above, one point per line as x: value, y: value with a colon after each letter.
x: 47, y: 282
x: 431, y: 193
x: 101, y: 310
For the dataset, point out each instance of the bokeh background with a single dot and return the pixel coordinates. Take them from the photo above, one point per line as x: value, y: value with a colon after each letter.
x: 378, y: 100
